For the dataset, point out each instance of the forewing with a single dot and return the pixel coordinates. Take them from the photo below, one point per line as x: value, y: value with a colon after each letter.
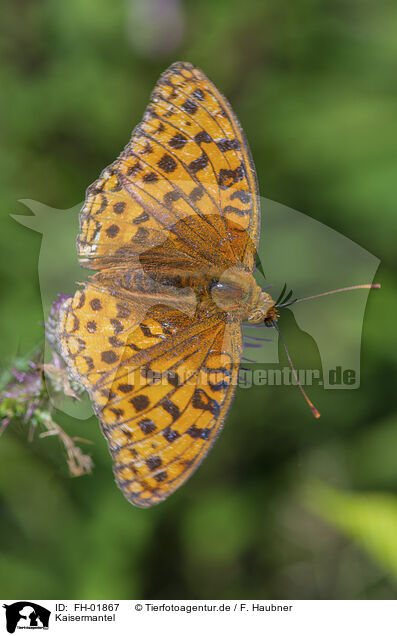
x: 188, y: 158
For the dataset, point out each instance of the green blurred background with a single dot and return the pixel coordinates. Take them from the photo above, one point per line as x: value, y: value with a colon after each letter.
x: 284, y: 506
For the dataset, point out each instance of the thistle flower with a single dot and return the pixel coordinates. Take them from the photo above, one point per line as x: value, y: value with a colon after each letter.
x: 52, y: 320
x: 23, y: 395
x: 25, y: 398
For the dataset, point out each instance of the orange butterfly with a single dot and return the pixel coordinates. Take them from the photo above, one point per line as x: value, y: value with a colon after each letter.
x: 171, y: 228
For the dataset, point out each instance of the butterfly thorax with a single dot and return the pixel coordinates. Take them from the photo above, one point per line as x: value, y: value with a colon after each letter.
x: 233, y: 291
x: 237, y: 293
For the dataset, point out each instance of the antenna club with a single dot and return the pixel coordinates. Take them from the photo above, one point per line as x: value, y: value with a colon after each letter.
x: 315, y: 411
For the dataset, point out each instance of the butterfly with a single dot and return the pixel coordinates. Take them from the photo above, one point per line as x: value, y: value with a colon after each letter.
x: 170, y: 229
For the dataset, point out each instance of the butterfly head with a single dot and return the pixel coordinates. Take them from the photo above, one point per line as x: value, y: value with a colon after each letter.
x: 264, y: 311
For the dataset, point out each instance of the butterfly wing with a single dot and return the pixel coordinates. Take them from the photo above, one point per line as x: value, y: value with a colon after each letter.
x: 160, y: 383
x: 188, y: 158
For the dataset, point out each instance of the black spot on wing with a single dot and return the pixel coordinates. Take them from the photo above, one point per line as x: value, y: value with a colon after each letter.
x: 81, y: 301
x: 141, y: 218
x: 133, y: 170
x: 202, y: 137
x: 96, y: 304
x: 198, y: 94
x: 112, y: 231
x: 228, y: 144
x: 119, y: 207
x: 230, y: 209
x: 147, y: 426
x: 167, y: 163
x: 227, y: 178
x: 199, y: 433
x: 173, y: 379
x: 244, y: 197
x: 170, y: 197
x: 117, y: 412
x: 150, y: 177
x: 125, y: 388
x: 109, y: 357
x: 171, y: 408
x: 198, y: 164
x: 140, y: 402
x: 117, y: 325
x: 196, y: 193
x: 202, y: 401
x: 153, y: 462
x: 178, y: 141
x: 161, y: 476
x: 190, y: 106
x: 170, y: 435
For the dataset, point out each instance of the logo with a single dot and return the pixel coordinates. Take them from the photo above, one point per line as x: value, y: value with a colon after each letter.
x: 26, y: 615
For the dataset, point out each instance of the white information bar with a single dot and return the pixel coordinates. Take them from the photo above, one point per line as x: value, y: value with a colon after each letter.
x: 171, y: 618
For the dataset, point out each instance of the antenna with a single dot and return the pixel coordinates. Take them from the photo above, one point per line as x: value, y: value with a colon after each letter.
x: 333, y: 291
x: 313, y: 409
